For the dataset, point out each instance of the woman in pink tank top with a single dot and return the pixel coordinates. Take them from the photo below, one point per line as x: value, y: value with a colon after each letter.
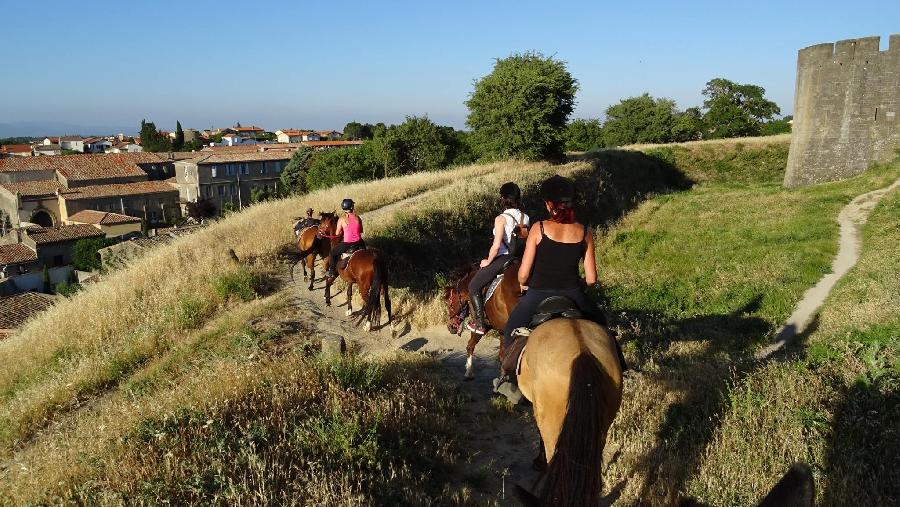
x: 350, y: 226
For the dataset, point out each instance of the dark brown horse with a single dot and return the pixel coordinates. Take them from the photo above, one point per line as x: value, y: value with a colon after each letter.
x: 310, y: 244
x: 365, y: 268
x: 496, y: 309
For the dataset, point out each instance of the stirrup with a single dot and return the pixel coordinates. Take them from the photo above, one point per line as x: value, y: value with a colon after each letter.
x: 521, y: 331
x: 471, y: 326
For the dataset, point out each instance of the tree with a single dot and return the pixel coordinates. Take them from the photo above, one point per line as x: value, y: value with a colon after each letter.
x: 152, y: 139
x: 293, y: 177
x: 735, y: 110
x: 86, y: 253
x: 201, y: 210
x: 688, y: 125
x: 355, y: 131
x: 775, y: 127
x: 583, y: 135
x: 520, y: 109
x: 45, y: 279
x: 343, y: 165
x: 178, y: 143
x: 417, y: 144
x: 641, y: 119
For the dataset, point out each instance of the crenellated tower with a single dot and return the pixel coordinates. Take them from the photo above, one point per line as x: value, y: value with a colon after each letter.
x: 846, y: 110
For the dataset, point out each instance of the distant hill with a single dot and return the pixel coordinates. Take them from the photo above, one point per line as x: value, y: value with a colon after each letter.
x: 46, y: 128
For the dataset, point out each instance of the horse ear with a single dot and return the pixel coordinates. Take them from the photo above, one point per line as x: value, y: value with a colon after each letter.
x: 795, y: 489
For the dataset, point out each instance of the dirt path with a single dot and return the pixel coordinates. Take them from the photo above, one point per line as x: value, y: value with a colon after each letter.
x: 501, y: 442
x: 851, y: 219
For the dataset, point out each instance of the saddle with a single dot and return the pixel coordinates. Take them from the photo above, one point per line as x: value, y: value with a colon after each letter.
x: 555, y: 307
x: 492, y: 287
x: 345, y: 257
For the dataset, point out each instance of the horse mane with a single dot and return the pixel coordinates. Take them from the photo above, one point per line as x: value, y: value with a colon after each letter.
x: 573, y: 475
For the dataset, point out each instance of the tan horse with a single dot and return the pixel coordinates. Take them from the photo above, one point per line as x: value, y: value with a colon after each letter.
x: 365, y: 268
x: 571, y: 374
x: 496, y: 309
x: 311, y: 245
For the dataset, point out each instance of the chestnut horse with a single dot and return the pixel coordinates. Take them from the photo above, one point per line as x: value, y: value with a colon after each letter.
x: 310, y: 245
x: 496, y: 310
x: 365, y: 268
x: 570, y: 372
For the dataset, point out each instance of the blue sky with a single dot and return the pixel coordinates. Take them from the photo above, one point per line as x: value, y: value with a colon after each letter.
x: 321, y: 64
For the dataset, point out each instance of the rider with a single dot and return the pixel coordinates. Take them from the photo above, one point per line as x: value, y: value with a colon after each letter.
x: 351, y: 227
x: 489, y: 268
x: 550, y: 267
x: 309, y: 221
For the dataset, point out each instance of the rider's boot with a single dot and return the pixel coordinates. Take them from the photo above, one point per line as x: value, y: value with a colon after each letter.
x: 476, y: 323
x: 506, y: 384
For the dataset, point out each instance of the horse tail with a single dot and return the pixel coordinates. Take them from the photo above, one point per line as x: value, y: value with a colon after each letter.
x: 573, y: 474
x: 372, y: 309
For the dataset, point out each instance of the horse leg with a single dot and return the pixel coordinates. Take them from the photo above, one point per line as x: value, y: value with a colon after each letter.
x: 387, y: 307
x: 303, y: 262
x: 327, y: 291
x: 311, y: 264
x: 474, y: 338
x: 349, y: 311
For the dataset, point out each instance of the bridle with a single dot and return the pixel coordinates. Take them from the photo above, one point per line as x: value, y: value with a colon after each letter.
x: 326, y: 223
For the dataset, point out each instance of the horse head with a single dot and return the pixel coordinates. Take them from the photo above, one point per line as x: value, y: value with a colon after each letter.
x: 457, y: 297
x: 328, y: 224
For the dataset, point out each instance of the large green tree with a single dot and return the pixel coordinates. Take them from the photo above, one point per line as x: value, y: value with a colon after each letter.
x: 152, y: 139
x: 86, y: 255
x: 293, y: 177
x: 343, y: 165
x: 735, y: 110
x: 583, y: 135
x: 520, y: 109
x: 417, y: 144
x: 355, y: 131
x: 641, y: 119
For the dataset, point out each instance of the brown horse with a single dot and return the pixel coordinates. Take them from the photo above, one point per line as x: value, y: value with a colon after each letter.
x: 496, y: 309
x: 310, y: 244
x: 365, y: 268
x: 570, y: 372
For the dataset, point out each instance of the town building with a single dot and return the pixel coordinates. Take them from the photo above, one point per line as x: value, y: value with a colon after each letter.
x: 47, y: 149
x: 17, y: 309
x: 96, y: 145
x: 16, y: 150
x: 225, y: 178
x: 114, y: 225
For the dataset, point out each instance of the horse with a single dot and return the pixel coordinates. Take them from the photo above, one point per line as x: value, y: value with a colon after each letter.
x: 310, y: 245
x: 365, y: 268
x: 571, y: 373
x: 496, y: 309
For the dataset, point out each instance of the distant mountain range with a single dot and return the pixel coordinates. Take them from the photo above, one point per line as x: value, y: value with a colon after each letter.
x: 53, y: 128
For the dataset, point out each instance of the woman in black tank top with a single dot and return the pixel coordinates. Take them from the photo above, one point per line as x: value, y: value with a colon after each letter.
x: 551, y: 262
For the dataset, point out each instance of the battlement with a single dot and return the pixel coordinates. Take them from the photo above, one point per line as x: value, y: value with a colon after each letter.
x: 846, y: 50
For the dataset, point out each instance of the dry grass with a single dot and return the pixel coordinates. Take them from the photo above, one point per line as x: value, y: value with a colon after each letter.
x: 719, y: 144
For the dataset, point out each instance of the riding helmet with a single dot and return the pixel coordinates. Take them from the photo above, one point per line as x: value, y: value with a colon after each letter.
x: 347, y: 204
x: 511, y: 191
x: 558, y: 189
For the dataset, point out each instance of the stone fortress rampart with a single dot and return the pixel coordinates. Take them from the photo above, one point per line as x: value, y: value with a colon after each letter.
x: 846, y: 110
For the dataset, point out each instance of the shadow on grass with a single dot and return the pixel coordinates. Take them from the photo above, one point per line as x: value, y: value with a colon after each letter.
x: 718, y: 353
x: 862, y: 465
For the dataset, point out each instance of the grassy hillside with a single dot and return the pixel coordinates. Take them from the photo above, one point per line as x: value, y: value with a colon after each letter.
x: 177, y: 377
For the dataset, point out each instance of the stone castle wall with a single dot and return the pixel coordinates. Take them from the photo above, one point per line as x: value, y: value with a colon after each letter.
x: 846, y: 110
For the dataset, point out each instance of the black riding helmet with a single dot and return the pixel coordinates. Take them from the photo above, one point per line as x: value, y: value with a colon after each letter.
x: 347, y: 204
x: 558, y: 189
x: 511, y: 191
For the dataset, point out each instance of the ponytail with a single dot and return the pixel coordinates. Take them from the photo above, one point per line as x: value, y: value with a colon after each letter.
x: 561, y: 212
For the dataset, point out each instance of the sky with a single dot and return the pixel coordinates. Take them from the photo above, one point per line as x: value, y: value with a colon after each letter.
x: 321, y: 64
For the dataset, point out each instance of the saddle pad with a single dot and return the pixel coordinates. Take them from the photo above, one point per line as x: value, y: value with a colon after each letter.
x: 492, y: 287
x: 345, y: 258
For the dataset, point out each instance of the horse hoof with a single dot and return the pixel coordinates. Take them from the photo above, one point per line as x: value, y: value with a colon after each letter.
x: 349, y: 312
x: 367, y: 327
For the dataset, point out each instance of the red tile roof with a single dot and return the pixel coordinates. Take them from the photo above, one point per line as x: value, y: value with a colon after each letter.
x: 33, y: 188
x: 16, y: 254
x: 326, y: 144
x: 46, y: 235
x: 223, y: 158
x: 238, y: 148
x: 93, y: 217
x: 80, y: 167
x: 17, y: 309
x: 247, y: 129
x: 15, y: 148
x: 119, y: 190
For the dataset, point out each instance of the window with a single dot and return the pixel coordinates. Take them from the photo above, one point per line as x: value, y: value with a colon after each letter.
x: 233, y: 191
x: 214, y: 171
x: 221, y: 190
x: 245, y: 169
x: 153, y: 216
x: 209, y: 191
x: 58, y: 260
x: 265, y: 168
